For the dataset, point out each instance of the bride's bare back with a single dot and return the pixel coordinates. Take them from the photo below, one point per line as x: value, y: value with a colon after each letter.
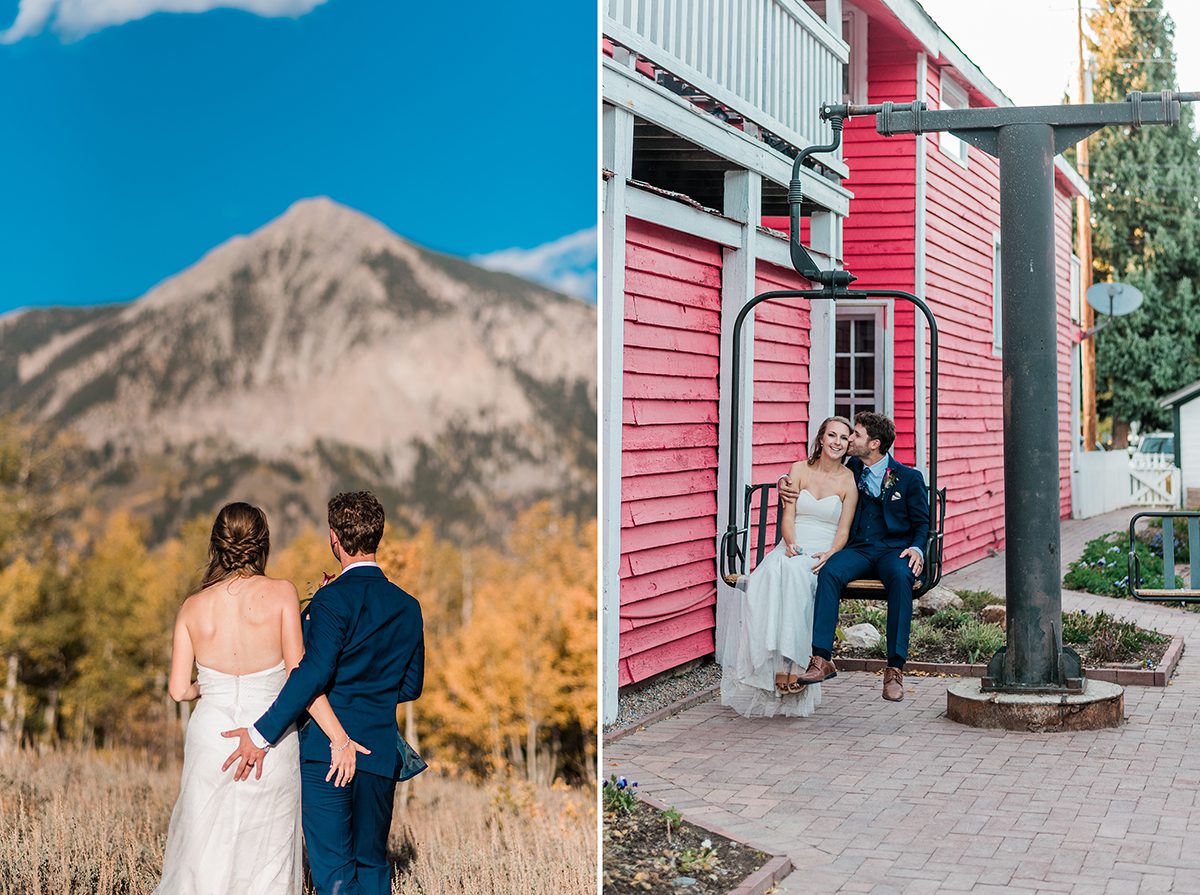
x: 236, y: 625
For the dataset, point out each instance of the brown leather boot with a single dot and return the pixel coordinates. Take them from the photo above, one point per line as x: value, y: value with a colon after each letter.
x: 893, y: 684
x: 818, y: 670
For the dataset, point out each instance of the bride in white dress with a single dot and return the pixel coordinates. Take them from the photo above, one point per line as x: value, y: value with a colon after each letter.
x: 242, y: 630
x: 766, y: 628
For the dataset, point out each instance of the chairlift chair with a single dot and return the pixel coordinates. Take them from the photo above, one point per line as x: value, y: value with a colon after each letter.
x: 734, y: 548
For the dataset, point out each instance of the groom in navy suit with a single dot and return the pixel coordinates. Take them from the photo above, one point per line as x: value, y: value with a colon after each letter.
x: 887, y: 541
x: 364, y: 649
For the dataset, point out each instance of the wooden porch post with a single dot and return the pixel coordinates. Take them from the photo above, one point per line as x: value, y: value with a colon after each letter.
x: 617, y: 158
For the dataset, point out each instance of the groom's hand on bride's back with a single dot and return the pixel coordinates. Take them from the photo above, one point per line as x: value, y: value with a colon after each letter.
x: 249, y: 754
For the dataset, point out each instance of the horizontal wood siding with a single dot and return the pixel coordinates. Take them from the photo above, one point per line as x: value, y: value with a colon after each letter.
x: 1063, y: 243
x: 781, y: 353
x: 879, y: 234
x: 668, y: 450
x: 962, y: 214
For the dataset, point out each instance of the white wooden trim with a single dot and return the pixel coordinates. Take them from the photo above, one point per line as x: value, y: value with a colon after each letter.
x: 825, y: 235
x: 657, y: 105
x: 920, y: 247
x: 777, y: 250
x: 655, y: 209
x: 743, y: 199
x: 833, y: 16
x: 857, y: 22
x: 884, y: 311
x: 997, y: 296
x: 617, y: 148
x: 1076, y: 440
x: 952, y: 146
x: 674, y: 215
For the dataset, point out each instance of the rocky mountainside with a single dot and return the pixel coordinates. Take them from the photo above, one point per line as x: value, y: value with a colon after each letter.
x: 319, y: 353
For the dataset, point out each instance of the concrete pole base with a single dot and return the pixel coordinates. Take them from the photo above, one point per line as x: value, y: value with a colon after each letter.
x: 1101, y: 705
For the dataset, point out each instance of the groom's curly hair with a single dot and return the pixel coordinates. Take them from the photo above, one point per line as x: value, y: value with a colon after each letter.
x: 356, y: 517
x: 877, y: 426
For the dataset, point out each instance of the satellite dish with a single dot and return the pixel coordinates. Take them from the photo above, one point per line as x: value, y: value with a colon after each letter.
x: 1114, y: 299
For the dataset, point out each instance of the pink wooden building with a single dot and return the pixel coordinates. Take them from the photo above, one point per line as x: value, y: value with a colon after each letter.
x: 698, y: 121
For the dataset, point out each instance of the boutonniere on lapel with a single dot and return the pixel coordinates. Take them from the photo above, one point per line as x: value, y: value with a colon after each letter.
x: 889, y: 481
x: 312, y: 592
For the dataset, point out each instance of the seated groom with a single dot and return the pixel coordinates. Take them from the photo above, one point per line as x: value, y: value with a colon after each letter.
x: 887, y: 541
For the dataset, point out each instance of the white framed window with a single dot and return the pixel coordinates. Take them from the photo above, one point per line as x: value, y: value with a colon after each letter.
x: 859, y: 361
x: 854, y: 74
x: 997, y: 310
x: 952, y: 97
x: 1076, y: 283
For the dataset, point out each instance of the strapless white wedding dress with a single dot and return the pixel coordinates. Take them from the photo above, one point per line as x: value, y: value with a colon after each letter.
x: 766, y: 629
x: 227, y: 836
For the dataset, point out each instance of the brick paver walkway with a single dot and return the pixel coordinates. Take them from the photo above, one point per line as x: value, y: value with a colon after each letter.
x: 869, y: 796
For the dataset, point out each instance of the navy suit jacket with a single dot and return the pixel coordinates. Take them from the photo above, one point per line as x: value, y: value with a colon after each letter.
x: 905, y: 505
x: 364, y: 648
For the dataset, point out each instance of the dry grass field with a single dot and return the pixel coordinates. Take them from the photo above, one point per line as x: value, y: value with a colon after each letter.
x: 78, y: 823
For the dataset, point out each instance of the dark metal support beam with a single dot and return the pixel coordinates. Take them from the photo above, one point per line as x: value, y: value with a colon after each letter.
x: 1033, y: 656
x: 1026, y: 140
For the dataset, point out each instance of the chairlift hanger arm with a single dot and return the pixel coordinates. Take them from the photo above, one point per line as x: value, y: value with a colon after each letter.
x: 1071, y: 123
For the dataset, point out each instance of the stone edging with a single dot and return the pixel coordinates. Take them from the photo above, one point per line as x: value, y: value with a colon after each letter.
x: 1141, y: 677
x: 761, y: 880
x: 673, y: 709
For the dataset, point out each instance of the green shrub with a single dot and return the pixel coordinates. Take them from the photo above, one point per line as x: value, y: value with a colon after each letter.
x: 979, y: 640
x: 925, y: 639
x: 866, y: 612
x: 949, y: 619
x: 1104, y: 566
x: 1107, y: 639
x: 974, y: 600
x: 1078, y: 627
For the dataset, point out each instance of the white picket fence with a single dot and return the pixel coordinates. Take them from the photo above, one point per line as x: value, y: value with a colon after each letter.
x: 1103, y: 481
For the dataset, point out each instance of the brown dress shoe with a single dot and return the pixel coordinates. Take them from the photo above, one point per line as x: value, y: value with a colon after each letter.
x: 893, y: 684
x: 818, y: 670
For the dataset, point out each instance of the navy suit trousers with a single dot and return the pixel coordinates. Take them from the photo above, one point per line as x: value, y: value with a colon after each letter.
x: 346, y: 831
x: 865, y: 561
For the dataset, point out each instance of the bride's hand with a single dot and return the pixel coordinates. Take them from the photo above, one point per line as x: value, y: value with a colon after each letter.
x: 342, y: 762
x: 791, y: 550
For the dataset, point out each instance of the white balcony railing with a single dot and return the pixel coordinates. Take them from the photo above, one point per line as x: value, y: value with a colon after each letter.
x: 772, y: 61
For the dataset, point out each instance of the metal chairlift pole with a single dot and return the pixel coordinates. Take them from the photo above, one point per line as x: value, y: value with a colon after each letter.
x: 1026, y: 140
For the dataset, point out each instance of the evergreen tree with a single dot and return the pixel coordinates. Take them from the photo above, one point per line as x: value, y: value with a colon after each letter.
x: 1146, y: 219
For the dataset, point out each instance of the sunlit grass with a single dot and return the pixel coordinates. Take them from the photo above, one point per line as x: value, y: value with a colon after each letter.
x: 95, y: 823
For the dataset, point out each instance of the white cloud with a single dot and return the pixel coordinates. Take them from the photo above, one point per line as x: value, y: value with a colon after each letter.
x: 567, y: 265
x: 75, y: 18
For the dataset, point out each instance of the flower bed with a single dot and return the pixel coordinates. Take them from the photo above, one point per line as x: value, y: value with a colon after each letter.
x: 962, y: 636
x: 647, y: 850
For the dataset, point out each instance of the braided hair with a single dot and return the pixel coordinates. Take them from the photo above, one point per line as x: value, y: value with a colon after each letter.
x: 239, y: 544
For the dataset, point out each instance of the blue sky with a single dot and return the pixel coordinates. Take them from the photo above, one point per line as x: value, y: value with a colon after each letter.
x: 128, y: 152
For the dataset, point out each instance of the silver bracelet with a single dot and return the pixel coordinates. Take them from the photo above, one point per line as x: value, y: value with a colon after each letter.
x: 341, y: 748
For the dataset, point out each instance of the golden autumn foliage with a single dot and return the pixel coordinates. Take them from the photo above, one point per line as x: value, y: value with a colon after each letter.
x: 85, y: 638
x: 515, y: 683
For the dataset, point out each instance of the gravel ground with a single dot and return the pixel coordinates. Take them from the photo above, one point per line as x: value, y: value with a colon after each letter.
x: 633, y: 706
